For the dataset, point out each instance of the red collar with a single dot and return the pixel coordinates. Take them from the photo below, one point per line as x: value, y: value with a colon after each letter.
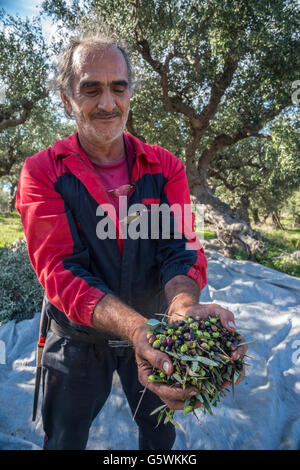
x: 70, y: 146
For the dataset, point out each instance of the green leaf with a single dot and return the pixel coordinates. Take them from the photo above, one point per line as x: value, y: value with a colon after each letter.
x: 177, y: 425
x: 206, y: 403
x: 191, y: 373
x: 160, y: 416
x: 247, y: 342
x: 232, y: 383
x: 178, y: 378
x: 236, y: 376
x: 206, y: 361
x: 215, y: 398
x: 158, y: 409
x: 199, y: 397
x: 153, y: 322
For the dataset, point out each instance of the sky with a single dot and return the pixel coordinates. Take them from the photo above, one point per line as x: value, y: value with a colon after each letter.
x: 21, y: 7
x: 29, y: 8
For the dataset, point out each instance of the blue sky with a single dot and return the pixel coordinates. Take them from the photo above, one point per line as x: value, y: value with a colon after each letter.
x: 29, y: 8
x: 22, y: 7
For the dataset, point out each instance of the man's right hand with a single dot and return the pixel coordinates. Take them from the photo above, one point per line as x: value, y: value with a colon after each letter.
x: 147, y: 357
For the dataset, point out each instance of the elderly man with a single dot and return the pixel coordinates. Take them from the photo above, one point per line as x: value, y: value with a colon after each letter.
x: 102, y: 289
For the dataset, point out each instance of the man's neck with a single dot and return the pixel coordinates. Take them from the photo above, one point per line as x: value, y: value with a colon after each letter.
x: 103, y: 153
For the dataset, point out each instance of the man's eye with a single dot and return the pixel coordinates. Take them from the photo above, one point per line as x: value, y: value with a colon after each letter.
x: 119, y: 90
x: 91, y: 92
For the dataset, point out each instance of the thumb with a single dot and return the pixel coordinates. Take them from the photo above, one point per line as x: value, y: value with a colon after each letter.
x: 159, y: 360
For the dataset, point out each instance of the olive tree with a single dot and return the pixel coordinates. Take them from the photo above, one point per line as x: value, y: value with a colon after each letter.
x: 214, y: 74
x: 23, y: 69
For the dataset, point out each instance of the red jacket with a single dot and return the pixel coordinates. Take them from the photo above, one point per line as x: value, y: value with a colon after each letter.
x: 58, y: 196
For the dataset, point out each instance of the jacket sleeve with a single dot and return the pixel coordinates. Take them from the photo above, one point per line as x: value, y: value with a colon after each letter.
x: 56, y: 253
x: 181, y: 252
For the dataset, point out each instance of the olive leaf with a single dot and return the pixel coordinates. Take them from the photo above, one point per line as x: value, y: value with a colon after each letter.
x: 178, y: 378
x: 236, y: 375
x: 158, y: 409
x: 153, y: 322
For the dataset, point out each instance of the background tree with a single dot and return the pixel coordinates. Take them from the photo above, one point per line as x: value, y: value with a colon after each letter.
x: 40, y: 130
x: 24, y: 61
x: 257, y: 176
x: 224, y: 71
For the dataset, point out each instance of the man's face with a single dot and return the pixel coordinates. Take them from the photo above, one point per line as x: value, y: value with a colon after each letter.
x: 101, y: 97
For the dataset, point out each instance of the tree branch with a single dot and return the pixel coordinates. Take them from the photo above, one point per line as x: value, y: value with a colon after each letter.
x: 231, y: 187
x: 130, y: 127
x: 5, y: 123
x: 225, y: 140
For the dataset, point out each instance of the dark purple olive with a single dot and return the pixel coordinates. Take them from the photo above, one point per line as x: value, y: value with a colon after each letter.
x: 163, y: 342
x: 151, y: 338
x: 170, y: 342
x: 202, y: 326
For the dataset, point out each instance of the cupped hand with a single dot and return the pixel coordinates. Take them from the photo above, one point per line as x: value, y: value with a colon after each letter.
x: 227, y: 320
x: 148, y: 358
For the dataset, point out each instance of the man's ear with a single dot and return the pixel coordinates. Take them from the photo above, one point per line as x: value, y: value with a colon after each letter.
x: 66, y: 101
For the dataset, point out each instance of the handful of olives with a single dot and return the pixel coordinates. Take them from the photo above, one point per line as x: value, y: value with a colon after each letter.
x: 200, y: 350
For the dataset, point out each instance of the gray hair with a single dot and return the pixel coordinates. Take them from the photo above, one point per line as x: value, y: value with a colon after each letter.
x: 62, y: 80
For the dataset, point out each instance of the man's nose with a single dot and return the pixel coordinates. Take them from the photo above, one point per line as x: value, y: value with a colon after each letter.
x: 106, y: 101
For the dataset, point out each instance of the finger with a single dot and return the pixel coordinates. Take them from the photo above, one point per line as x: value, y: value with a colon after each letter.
x: 214, y: 310
x: 226, y: 384
x: 157, y: 359
x: 242, y: 376
x: 240, y: 351
x: 179, y: 405
x: 167, y: 393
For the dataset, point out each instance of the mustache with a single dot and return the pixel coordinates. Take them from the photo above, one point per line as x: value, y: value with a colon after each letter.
x: 102, y: 114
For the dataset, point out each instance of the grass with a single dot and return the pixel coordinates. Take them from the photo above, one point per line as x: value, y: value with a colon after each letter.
x: 209, y: 234
x: 10, y: 228
x: 280, y: 243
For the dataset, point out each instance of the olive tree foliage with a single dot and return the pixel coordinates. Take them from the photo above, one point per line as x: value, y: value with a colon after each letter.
x: 42, y: 129
x: 257, y: 176
x: 23, y: 69
x: 29, y: 120
x: 213, y: 74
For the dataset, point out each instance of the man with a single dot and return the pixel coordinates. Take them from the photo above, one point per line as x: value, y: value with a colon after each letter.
x: 101, y: 290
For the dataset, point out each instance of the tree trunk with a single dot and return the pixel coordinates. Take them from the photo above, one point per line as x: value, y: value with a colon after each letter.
x: 276, y: 221
x: 255, y: 216
x: 243, y: 208
x: 233, y: 233
x: 12, y: 198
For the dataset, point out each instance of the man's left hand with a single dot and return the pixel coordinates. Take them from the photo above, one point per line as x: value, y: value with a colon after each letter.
x: 227, y: 321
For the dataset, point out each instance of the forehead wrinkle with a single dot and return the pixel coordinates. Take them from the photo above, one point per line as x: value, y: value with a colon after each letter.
x: 85, y: 54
